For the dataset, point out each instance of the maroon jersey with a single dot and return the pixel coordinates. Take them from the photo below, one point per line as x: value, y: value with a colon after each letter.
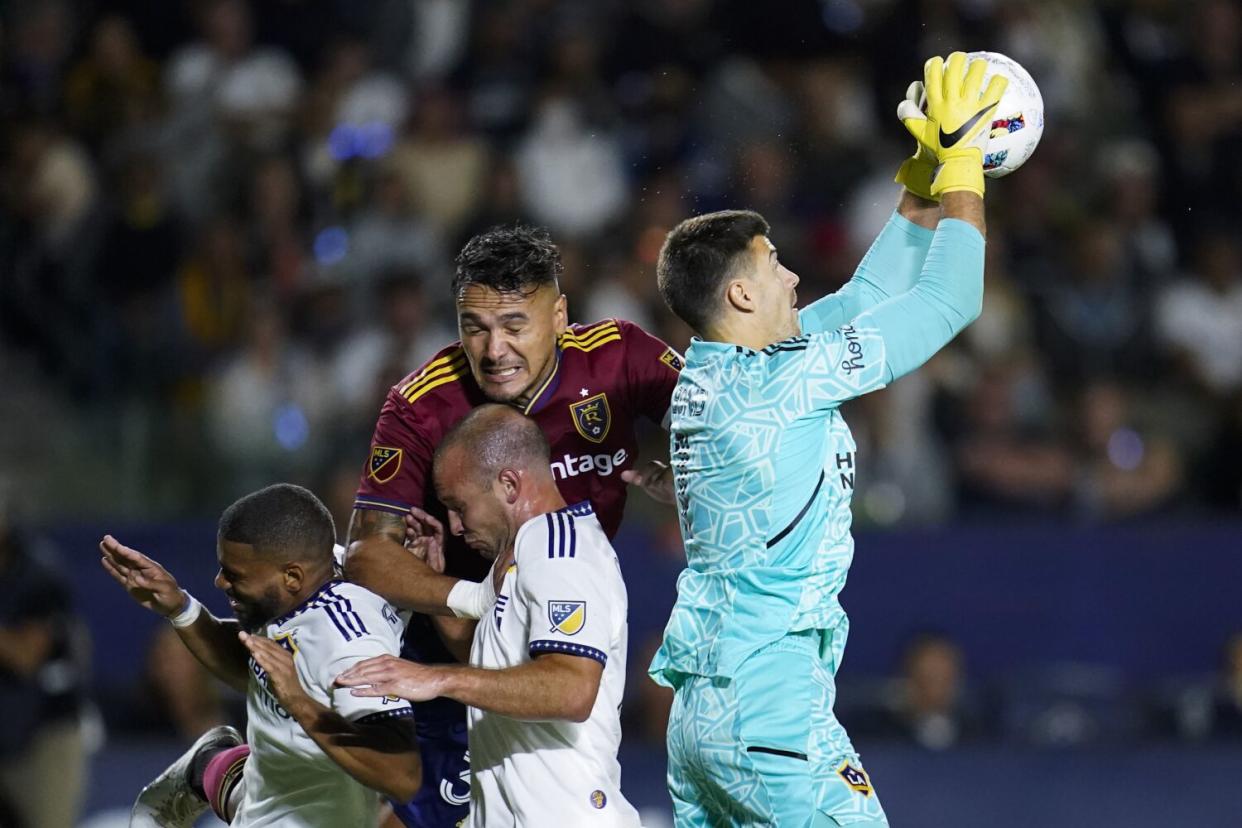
x: 607, y: 376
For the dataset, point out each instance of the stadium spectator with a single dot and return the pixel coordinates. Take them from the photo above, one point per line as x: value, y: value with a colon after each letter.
x: 571, y: 171
x: 441, y: 162
x: 929, y: 704
x: 1199, y: 317
x: 1126, y: 470
x: 114, y: 79
x: 43, y: 761
x: 1009, y: 459
x: 1092, y: 317
x: 268, y: 406
x: 390, y: 235
x: 399, y: 332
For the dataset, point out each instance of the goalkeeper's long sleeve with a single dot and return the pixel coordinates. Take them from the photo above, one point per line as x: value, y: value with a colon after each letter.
x: 947, y: 297
x: 890, y: 268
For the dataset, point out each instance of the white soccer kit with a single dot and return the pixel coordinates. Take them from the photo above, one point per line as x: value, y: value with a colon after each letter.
x: 290, y: 781
x: 563, y: 594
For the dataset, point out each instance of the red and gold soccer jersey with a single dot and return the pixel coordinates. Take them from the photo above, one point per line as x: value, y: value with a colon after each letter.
x: 607, y: 376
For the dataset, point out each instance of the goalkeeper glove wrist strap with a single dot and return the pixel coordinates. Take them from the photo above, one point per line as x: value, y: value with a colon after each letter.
x: 958, y: 173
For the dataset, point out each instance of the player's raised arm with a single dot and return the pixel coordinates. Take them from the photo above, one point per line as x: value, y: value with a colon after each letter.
x: 890, y: 268
x: 896, y: 257
x: 213, y: 641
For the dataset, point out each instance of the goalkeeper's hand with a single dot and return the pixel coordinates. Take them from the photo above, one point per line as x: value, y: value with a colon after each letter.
x: 958, y: 120
x: 917, y: 171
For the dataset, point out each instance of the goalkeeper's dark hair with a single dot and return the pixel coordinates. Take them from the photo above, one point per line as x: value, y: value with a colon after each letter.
x: 699, y: 256
x: 497, y: 437
x: 283, y: 522
x: 509, y: 259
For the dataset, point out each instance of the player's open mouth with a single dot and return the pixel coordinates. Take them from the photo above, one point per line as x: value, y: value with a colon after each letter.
x: 501, y: 374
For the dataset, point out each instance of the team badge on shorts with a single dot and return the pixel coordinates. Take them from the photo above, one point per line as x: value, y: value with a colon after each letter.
x: 592, y: 417
x: 384, y: 464
x: 598, y: 799
x: 673, y: 360
x: 566, y: 617
x: 855, y: 778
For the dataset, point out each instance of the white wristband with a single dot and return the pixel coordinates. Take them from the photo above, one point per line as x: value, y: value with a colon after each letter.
x: 470, y: 600
x: 189, y: 614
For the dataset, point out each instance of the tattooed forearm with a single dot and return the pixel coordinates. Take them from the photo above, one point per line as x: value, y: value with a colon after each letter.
x: 370, y: 523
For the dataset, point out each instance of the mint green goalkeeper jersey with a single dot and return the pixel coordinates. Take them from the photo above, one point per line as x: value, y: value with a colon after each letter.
x: 764, y: 464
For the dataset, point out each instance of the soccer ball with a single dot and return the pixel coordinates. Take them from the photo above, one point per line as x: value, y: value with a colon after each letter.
x: 1019, y: 120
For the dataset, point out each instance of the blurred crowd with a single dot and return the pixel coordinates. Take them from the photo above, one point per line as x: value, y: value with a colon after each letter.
x: 226, y: 227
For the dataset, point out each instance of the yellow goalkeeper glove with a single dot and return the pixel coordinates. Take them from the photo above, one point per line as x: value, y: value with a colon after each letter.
x: 916, y: 173
x: 958, y: 120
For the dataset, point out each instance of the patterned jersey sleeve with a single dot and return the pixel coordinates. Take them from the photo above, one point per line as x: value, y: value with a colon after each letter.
x: 815, y: 372
x: 397, y: 473
x: 356, y: 625
x: 651, y: 368
x: 563, y: 579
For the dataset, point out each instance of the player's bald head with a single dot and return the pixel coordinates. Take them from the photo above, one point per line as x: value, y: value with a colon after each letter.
x: 491, y: 438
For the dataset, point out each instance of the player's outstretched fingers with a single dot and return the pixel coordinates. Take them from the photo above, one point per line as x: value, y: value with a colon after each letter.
x: 933, y: 77
x: 955, y: 75
x: 365, y: 672
x: 996, y: 89
x: 972, y: 86
x: 118, y: 574
x: 122, y: 554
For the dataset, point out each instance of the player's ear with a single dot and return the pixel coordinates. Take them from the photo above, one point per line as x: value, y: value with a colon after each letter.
x: 561, y: 314
x: 510, y: 485
x: 294, y: 576
x: 739, y: 296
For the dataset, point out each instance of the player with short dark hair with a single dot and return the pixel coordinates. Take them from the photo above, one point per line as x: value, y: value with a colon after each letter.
x: 763, y: 469
x: 701, y: 251
x: 315, y: 755
x: 509, y: 259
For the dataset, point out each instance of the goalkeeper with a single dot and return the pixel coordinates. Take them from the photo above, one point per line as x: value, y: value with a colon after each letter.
x: 763, y: 468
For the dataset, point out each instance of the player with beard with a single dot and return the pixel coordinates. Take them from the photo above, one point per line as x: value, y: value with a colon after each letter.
x: 315, y: 755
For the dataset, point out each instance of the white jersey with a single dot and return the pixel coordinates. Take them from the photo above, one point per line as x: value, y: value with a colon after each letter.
x: 290, y: 782
x: 563, y: 594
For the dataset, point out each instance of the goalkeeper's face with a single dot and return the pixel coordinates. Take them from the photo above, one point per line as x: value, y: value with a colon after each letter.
x: 775, y: 292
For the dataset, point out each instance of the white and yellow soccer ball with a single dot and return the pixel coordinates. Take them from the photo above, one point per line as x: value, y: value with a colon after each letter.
x: 1018, y: 123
